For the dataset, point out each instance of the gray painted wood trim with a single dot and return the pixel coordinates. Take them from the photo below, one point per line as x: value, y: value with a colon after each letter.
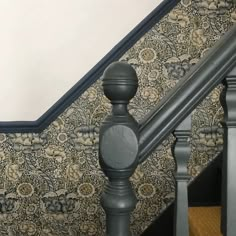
x: 228, y: 224
x: 181, y: 152
x: 118, y: 148
x: 93, y: 75
x: 188, y: 93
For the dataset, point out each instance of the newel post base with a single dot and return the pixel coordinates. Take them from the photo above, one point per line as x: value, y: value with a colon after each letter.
x: 118, y: 148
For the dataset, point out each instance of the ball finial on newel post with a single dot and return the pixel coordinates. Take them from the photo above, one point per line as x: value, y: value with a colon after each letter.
x: 118, y: 148
x: 120, y: 82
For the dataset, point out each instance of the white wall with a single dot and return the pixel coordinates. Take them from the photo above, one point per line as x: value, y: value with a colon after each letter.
x: 46, y: 46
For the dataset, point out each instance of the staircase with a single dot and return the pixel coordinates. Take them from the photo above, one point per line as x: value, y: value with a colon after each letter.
x: 124, y: 143
x: 51, y: 181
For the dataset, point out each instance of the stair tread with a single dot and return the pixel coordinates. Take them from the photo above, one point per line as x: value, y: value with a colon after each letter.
x: 204, y: 221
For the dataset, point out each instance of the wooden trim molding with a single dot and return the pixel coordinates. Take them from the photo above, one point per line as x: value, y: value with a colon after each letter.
x: 93, y: 75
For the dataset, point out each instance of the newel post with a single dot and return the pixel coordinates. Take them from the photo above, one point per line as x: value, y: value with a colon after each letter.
x: 118, y: 148
x: 228, y: 100
x: 181, y: 152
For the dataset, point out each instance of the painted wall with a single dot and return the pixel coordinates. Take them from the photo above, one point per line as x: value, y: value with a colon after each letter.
x: 51, y: 182
x: 47, y: 46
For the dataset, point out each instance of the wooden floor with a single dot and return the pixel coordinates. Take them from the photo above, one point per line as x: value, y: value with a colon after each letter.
x: 204, y: 221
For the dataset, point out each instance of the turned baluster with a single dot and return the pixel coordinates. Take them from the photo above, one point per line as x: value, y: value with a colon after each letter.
x: 181, y: 152
x: 118, y: 149
x: 228, y: 100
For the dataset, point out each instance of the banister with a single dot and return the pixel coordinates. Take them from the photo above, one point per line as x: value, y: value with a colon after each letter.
x: 119, y: 148
x: 92, y: 76
x: 181, y: 151
x: 228, y: 101
x: 124, y: 143
x: 188, y: 93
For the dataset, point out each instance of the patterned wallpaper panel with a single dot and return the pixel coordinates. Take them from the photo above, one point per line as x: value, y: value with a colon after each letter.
x: 50, y: 183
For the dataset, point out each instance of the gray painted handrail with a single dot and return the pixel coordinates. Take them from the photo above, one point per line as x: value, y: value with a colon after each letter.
x: 124, y: 143
x: 188, y: 93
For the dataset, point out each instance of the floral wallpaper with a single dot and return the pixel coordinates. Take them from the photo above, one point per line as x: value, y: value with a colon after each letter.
x: 50, y: 183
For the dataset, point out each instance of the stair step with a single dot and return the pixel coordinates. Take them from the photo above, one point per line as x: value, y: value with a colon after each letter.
x: 204, y: 221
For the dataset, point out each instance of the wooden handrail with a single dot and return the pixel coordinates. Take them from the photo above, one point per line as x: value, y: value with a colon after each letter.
x: 188, y: 93
x: 124, y: 143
